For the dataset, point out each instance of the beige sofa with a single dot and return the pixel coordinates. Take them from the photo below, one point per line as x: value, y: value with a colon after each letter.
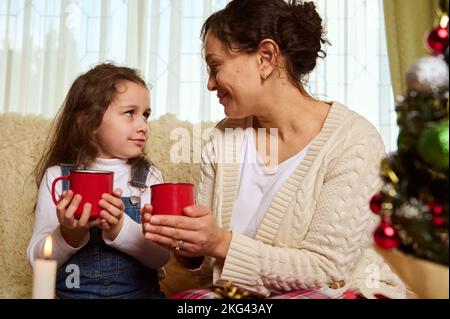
x: 22, y: 140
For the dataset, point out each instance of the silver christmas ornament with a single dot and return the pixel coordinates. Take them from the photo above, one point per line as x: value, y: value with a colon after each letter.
x: 428, y: 75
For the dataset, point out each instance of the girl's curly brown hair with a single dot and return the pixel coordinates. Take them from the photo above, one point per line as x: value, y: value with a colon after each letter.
x: 70, y: 140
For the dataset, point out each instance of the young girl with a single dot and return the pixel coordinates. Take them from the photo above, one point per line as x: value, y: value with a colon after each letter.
x: 103, y: 126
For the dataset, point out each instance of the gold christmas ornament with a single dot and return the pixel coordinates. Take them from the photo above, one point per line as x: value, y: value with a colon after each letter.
x: 229, y: 291
x: 337, y: 284
x: 387, y: 172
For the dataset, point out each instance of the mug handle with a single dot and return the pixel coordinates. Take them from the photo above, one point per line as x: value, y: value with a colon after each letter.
x: 67, y: 178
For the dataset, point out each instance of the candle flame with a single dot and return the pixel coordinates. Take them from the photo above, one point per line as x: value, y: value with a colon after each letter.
x: 48, y: 247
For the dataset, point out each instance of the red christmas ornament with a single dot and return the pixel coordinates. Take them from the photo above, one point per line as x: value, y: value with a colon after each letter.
x: 437, y: 221
x: 376, y: 202
x: 386, y: 237
x: 435, y: 208
x: 438, y: 40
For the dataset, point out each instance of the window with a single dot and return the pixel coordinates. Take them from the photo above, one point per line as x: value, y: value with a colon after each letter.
x: 45, y: 44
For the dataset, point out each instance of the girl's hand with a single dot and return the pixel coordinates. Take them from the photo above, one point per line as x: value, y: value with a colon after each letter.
x: 111, y: 217
x: 195, y: 234
x: 74, y: 231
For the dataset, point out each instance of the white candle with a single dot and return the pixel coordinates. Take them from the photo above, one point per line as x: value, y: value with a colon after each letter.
x: 44, y: 274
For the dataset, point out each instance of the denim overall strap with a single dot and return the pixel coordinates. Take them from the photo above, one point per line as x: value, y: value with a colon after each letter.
x: 65, y: 171
x: 105, y: 272
x: 139, y: 176
x: 138, y: 180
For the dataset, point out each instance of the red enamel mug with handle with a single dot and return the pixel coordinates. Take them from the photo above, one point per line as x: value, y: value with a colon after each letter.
x: 91, y: 185
x: 171, y: 199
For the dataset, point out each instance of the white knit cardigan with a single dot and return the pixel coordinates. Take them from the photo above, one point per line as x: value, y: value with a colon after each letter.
x: 318, y: 228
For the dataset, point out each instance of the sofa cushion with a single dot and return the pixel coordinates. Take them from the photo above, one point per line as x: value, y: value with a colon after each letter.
x: 22, y: 140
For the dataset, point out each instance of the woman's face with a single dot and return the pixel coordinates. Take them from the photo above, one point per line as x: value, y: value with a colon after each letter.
x: 236, y: 77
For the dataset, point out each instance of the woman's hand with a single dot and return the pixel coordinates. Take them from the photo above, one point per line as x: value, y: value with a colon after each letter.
x: 146, y: 216
x: 74, y: 231
x: 111, y: 217
x: 195, y: 234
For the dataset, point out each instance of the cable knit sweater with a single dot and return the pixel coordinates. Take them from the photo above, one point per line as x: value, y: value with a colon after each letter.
x: 318, y: 228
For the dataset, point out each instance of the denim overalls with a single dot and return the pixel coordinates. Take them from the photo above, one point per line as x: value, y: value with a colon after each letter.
x: 105, y: 272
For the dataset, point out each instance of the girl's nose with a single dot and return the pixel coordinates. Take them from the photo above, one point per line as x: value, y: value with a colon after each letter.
x: 143, y: 127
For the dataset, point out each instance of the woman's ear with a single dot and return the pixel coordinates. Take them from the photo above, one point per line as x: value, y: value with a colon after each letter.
x: 268, y: 53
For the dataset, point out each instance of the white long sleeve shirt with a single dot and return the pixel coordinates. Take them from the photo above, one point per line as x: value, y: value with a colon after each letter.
x: 130, y: 239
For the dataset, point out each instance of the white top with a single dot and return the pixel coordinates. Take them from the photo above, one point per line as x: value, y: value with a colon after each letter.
x: 130, y: 240
x: 258, y: 185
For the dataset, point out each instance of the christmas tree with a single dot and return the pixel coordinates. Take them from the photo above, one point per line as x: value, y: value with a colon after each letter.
x: 413, y: 203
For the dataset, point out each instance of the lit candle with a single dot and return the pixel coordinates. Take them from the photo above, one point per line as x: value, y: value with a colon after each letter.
x: 44, y: 274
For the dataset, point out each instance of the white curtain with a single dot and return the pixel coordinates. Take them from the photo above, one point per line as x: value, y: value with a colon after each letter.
x: 356, y: 69
x: 45, y: 44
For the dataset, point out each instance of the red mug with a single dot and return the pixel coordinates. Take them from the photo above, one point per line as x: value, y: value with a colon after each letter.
x: 171, y: 199
x: 91, y: 185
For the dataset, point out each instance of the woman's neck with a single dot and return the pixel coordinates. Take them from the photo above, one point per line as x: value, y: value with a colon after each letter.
x: 292, y: 113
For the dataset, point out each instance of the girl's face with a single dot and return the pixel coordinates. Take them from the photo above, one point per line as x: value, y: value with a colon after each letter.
x: 236, y: 77
x: 124, y: 128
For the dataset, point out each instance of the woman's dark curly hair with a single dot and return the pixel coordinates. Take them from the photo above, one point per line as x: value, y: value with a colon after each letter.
x: 294, y: 25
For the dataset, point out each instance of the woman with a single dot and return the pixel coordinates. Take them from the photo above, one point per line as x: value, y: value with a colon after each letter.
x: 298, y: 218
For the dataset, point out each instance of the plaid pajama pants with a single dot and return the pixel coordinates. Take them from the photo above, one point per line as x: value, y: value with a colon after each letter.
x: 317, y: 293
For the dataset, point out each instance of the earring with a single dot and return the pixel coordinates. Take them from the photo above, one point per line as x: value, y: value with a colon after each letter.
x: 264, y: 77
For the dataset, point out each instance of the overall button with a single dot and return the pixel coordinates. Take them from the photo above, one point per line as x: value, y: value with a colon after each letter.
x: 134, y: 200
